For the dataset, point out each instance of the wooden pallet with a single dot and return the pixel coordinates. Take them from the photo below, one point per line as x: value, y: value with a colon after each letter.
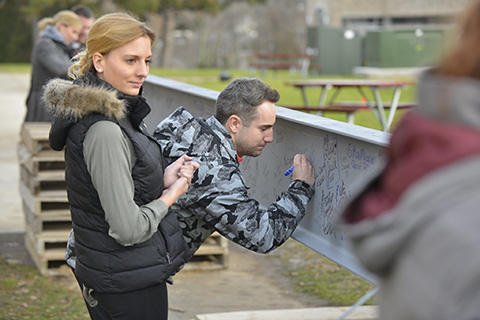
x: 47, y: 253
x: 47, y: 250
x: 212, y: 254
x: 41, y: 164
x: 52, y: 222
x: 50, y: 243
x: 34, y: 136
x: 48, y: 222
x: 53, y: 203
x: 43, y: 184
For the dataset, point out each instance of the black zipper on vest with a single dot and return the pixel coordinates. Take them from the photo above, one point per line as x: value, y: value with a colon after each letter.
x: 167, y: 254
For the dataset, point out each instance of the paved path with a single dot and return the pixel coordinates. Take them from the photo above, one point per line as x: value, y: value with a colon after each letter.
x: 13, y: 92
x: 252, y: 281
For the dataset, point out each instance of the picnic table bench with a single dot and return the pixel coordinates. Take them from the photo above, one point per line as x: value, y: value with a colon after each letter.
x: 349, y: 108
x: 294, y: 62
x: 377, y: 106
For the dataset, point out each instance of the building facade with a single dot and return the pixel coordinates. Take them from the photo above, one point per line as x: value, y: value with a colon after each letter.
x: 383, y: 14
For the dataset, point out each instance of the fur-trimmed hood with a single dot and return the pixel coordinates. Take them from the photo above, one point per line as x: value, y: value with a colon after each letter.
x: 71, y: 101
x: 75, y: 100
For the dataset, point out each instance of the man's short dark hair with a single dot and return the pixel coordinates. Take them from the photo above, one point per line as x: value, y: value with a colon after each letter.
x: 242, y: 97
x: 83, y: 11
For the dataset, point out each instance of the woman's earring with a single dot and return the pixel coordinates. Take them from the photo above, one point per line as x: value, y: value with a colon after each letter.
x: 99, y: 70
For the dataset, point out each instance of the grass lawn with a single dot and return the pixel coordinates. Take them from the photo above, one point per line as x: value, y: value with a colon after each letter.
x: 313, y: 273
x: 25, y: 294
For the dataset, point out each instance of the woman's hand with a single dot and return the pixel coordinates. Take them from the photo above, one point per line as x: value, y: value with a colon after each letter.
x: 177, y: 179
x: 171, y: 173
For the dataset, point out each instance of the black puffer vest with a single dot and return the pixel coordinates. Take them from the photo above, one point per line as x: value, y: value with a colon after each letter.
x: 103, y: 264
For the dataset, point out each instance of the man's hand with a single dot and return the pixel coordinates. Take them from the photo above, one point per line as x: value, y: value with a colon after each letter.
x: 303, y: 170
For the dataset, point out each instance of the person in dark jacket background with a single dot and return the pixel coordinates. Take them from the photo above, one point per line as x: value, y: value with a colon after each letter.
x: 51, y: 58
x: 87, y: 17
x: 415, y: 223
x: 127, y: 244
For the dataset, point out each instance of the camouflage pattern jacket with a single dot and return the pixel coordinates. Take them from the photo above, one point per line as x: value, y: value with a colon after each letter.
x: 218, y: 199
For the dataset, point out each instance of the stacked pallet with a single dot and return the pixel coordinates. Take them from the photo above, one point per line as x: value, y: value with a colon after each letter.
x: 44, y: 198
x: 46, y: 208
x: 212, y: 254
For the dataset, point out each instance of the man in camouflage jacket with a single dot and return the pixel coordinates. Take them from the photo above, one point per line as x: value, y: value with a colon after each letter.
x: 218, y: 198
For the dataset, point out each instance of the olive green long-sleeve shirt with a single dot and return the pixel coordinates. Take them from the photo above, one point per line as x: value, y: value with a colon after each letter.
x: 110, y: 157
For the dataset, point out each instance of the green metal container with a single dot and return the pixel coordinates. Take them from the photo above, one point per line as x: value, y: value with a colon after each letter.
x: 404, y: 48
x: 339, y: 50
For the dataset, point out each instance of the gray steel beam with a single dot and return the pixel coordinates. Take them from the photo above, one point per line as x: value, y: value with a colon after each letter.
x: 342, y: 154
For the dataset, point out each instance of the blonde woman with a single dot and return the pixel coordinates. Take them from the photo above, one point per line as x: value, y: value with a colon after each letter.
x: 51, y: 58
x: 125, y: 244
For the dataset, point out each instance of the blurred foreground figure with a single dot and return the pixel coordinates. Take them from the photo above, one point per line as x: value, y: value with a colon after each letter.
x: 415, y: 224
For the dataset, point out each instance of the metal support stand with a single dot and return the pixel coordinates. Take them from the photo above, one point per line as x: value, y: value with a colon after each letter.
x: 360, y: 302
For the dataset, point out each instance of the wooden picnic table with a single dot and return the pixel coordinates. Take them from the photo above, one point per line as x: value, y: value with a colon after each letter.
x: 282, y: 61
x: 378, y: 106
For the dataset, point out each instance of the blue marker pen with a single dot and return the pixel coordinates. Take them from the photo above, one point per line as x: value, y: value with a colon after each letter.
x: 289, y: 171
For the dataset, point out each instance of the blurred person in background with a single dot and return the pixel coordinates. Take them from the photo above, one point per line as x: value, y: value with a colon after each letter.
x: 415, y: 223
x: 87, y: 17
x: 51, y: 58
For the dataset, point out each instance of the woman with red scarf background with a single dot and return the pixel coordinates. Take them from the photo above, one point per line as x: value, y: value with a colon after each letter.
x: 415, y: 224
